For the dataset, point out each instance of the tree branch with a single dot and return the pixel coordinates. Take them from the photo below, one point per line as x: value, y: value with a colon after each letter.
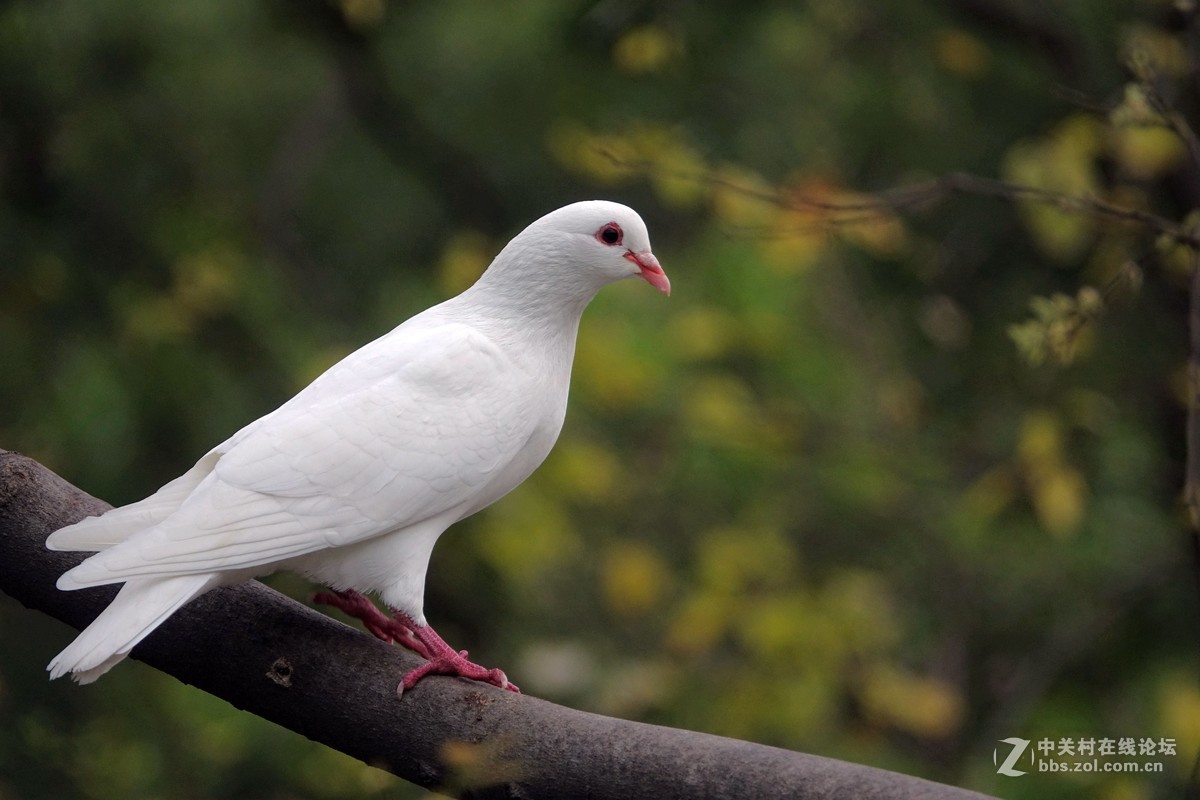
x: 1191, y: 489
x: 1172, y: 117
x: 831, y: 213
x: 276, y: 658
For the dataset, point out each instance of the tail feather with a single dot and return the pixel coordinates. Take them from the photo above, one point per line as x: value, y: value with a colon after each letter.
x: 113, y: 527
x: 141, y: 606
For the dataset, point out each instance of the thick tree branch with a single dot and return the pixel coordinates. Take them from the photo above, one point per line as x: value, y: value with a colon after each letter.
x: 276, y: 658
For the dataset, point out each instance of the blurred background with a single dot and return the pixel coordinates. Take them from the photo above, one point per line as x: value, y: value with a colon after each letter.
x: 886, y: 485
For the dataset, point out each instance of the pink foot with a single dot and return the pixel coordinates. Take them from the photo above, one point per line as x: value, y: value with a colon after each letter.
x: 445, y: 660
x: 441, y: 659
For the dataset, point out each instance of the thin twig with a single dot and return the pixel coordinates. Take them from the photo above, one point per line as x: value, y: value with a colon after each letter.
x: 1174, y: 120
x: 1191, y: 492
x: 1090, y: 206
x: 906, y: 198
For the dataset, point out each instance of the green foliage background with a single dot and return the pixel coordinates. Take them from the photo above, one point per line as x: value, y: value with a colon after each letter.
x: 816, y: 499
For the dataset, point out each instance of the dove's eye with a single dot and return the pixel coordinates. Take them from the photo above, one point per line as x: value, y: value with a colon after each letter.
x: 610, y: 234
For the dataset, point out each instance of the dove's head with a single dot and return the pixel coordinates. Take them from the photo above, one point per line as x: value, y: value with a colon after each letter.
x: 608, y: 239
x: 579, y: 248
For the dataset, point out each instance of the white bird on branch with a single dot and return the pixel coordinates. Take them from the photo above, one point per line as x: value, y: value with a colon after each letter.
x: 352, y: 481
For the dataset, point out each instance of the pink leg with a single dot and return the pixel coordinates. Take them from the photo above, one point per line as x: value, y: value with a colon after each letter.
x: 381, y: 625
x: 441, y: 659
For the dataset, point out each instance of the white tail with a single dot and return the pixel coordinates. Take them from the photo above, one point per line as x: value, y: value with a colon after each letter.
x: 141, y: 606
x: 116, y: 525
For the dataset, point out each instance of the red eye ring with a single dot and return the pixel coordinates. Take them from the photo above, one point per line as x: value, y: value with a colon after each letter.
x: 610, y: 234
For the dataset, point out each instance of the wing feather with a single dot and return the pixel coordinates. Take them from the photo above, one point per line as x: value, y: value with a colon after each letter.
x: 118, y: 524
x: 341, y: 468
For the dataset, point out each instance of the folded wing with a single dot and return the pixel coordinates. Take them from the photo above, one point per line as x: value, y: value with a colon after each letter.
x: 333, y: 468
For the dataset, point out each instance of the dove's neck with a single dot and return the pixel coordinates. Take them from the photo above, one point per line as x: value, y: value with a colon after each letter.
x: 539, y: 307
x: 529, y: 295
x: 538, y: 341
x: 532, y: 329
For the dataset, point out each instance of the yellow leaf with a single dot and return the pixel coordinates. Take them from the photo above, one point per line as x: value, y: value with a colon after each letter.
x: 465, y: 257
x: 1122, y: 788
x: 781, y: 627
x: 363, y: 13
x: 990, y: 494
x: 1059, y: 495
x: 700, y: 623
x: 634, y: 577
x: 962, y: 53
x: 526, y: 535
x: 1179, y: 712
x: 206, y: 280
x: 731, y: 558
x: 1078, y: 138
x: 799, y: 702
x: 702, y: 333
x: 1062, y: 328
x: 1141, y: 138
x: 607, y: 369
x: 861, y: 612
x: 662, y: 153
x: 721, y: 409
x: 1058, y: 491
x: 584, y: 470
x: 645, y: 49
x: 1147, y: 152
x: 606, y: 158
x: 159, y: 318
x: 795, y: 242
x: 1062, y: 161
x: 680, y: 175
x: 1040, y: 440
x: 741, y: 197
x: 1030, y: 339
x: 925, y: 707
x: 879, y: 233
x: 1156, y: 52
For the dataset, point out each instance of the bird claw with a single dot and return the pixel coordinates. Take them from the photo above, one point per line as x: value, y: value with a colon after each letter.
x: 401, y: 629
x: 456, y: 665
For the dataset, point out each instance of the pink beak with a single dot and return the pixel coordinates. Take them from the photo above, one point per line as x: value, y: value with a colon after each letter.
x: 652, y: 271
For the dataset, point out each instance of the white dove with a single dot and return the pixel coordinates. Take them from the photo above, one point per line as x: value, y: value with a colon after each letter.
x: 352, y: 481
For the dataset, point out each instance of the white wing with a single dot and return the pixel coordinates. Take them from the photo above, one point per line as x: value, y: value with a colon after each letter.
x: 336, y: 466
